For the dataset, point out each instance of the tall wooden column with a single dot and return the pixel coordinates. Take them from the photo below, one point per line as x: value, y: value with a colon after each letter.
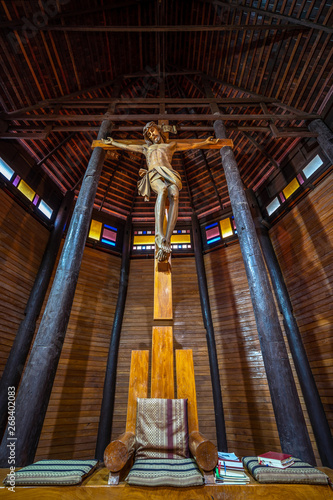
x: 208, y: 323
x: 20, y: 349
x: 35, y: 389
x: 289, y: 417
x: 310, y: 392
x: 106, y: 417
x: 325, y: 137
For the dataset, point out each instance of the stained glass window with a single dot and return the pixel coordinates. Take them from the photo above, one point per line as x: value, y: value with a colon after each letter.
x: 291, y: 188
x: 312, y: 166
x: 226, y: 228
x: 43, y: 207
x: 274, y: 205
x: 5, y: 170
x: 26, y: 190
x: 212, y: 233
x: 95, y: 230
x: 109, y: 235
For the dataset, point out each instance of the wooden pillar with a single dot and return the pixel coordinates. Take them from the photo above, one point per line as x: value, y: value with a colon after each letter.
x: 310, y: 392
x: 106, y: 416
x: 325, y: 137
x: 20, y: 349
x: 289, y: 417
x: 35, y: 389
x: 208, y: 323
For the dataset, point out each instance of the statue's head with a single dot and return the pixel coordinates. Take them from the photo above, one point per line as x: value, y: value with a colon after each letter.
x: 153, y: 133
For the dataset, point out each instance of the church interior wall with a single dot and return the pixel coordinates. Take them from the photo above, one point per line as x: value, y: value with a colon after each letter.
x: 303, y: 242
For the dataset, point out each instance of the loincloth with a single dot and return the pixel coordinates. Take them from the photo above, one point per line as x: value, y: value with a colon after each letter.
x: 167, y: 175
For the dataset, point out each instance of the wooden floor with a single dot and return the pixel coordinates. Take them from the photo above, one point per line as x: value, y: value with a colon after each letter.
x: 96, y: 488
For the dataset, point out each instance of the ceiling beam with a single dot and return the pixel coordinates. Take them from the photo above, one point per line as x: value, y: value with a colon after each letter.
x: 158, y: 100
x: 262, y: 149
x: 33, y: 133
x: 57, y: 100
x: 55, y: 117
x: 174, y: 29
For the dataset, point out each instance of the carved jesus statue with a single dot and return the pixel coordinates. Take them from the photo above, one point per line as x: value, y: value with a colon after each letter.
x: 161, y: 177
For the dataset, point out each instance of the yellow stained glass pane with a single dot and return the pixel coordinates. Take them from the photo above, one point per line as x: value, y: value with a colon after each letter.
x: 144, y: 239
x: 181, y: 238
x: 226, y: 229
x: 95, y: 230
x: 26, y: 190
x: 291, y: 188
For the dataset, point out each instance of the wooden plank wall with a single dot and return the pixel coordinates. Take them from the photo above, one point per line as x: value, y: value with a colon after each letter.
x: 249, y: 416
x: 70, y: 427
x: 303, y: 241
x: 22, y: 243
x: 71, y: 422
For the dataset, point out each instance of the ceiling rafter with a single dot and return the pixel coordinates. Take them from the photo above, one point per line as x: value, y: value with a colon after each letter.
x: 274, y: 15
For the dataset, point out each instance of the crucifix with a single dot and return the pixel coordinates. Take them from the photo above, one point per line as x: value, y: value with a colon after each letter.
x: 160, y: 176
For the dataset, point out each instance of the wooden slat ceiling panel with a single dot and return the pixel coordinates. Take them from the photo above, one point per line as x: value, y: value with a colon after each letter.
x: 261, y: 56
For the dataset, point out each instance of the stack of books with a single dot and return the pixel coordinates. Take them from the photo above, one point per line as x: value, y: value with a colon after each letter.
x: 230, y: 470
x: 274, y: 459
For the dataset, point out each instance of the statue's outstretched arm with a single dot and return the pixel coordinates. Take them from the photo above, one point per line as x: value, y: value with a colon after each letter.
x: 200, y: 143
x: 121, y: 145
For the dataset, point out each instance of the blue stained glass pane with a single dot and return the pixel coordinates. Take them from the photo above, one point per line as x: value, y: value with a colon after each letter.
x: 112, y: 243
x: 213, y: 240
x: 144, y: 232
x: 312, y: 166
x: 110, y: 227
x: 211, y: 225
x: 179, y: 231
x: 6, y: 170
x: 43, y: 207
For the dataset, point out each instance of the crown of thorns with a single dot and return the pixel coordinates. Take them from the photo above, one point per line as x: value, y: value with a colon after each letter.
x: 150, y: 125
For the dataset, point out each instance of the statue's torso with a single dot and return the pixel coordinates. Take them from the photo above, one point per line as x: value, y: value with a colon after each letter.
x: 160, y: 155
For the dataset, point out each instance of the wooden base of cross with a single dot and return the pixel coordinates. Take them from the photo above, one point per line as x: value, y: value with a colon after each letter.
x: 163, y: 283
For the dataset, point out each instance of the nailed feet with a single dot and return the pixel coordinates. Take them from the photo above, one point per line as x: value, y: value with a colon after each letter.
x: 163, y: 248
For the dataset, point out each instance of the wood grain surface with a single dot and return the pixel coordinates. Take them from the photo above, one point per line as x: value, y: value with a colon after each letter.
x: 163, y: 290
x: 162, y: 370
x: 138, y: 385
x: 186, y: 385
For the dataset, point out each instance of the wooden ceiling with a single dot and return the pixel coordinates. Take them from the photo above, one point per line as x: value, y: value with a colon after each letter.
x: 265, y: 66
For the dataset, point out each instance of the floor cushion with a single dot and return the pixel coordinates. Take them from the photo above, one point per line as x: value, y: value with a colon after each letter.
x: 52, y: 472
x: 299, y: 472
x: 163, y: 472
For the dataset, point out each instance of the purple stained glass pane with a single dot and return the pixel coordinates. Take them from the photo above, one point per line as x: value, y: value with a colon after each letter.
x: 35, y: 200
x: 282, y: 198
x: 16, y: 180
x: 213, y: 232
x: 109, y: 235
x: 300, y: 178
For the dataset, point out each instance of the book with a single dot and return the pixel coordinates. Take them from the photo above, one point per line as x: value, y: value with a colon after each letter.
x: 275, y: 459
x: 227, y: 456
x: 226, y: 476
x: 230, y: 470
x: 230, y: 464
x: 230, y: 473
